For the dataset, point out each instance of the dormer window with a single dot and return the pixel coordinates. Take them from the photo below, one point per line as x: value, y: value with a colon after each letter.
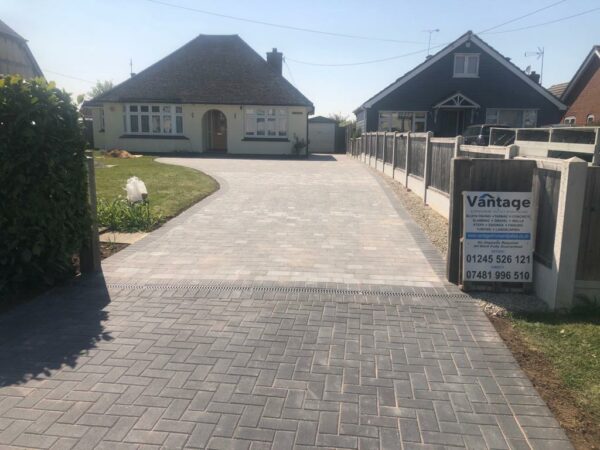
x: 466, y: 65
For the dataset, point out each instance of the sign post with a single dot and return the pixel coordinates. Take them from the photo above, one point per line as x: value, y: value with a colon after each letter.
x: 497, y: 237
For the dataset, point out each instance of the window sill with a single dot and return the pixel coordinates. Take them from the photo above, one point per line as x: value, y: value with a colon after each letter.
x: 266, y: 139
x: 466, y: 76
x: 154, y: 136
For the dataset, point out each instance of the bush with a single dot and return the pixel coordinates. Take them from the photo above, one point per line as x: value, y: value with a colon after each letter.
x: 120, y: 215
x: 44, y: 214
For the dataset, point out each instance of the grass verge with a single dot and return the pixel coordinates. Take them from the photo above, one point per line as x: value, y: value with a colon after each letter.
x: 171, y: 189
x: 561, y: 356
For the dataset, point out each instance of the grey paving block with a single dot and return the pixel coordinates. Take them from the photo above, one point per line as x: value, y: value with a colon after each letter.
x: 298, y: 307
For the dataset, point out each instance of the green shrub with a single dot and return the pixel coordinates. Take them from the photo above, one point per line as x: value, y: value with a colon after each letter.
x: 120, y: 215
x: 44, y: 214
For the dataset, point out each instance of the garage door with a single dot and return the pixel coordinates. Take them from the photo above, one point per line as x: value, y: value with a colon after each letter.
x: 321, y: 137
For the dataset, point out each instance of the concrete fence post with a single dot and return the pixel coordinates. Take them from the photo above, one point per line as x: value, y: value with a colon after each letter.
x: 394, y: 155
x: 457, y: 144
x: 511, y: 152
x: 407, y: 162
x: 427, y: 165
x: 559, y: 292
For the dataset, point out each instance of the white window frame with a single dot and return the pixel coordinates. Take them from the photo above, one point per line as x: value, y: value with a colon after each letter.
x: 277, y: 115
x: 165, y: 110
x: 489, y: 112
x: 412, y: 115
x: 464, y: 74
x: 570, y: 120
x: 588, y: 121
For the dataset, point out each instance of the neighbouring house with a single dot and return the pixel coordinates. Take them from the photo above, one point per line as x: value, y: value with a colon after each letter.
x: 214, y: 94
x: 321, y: 134
x: 467, y: 82
x: 558, y: 89
x: 15, y: 56
x: 583, y: 92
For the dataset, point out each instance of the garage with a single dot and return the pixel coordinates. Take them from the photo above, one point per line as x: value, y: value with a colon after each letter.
x: 321, y: 134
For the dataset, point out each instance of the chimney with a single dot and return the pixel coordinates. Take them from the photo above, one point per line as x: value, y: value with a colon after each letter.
x: 275, y: 61
x: 535, y: 77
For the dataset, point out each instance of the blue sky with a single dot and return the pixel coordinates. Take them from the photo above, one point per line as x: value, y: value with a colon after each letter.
x: 94, y: 39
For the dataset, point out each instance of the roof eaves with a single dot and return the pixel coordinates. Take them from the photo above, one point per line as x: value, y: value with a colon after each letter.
x: 517, y: 71
x: 469, y: 35
x: 416, y: 70
x: 588, y: 59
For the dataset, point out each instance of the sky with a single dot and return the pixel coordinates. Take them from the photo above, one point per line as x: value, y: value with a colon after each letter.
x: 77, y: 42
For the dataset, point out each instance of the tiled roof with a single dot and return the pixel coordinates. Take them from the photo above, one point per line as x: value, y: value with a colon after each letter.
x: 321, y: 119
x: 5, y: 29
x: 558, y: 89
x: 213, y: 69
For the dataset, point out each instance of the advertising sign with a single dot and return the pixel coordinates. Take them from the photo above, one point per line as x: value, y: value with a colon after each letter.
x: 497, y: 237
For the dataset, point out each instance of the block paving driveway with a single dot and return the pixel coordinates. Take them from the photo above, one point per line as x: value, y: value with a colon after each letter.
x: 298, y: 307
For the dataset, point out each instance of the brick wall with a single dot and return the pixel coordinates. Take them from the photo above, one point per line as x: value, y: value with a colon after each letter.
x: 588, y: 101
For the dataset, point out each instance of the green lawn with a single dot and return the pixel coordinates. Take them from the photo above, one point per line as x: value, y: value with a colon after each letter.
x: 171, y: 189
x: 572, y: 345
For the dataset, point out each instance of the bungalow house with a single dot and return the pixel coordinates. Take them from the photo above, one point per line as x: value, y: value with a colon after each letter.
x: 467, y: 82
x: 15, y: 56
x: 582, y: 94
x: 214, y: 94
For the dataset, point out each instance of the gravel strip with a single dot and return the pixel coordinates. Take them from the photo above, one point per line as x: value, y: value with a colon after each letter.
x: 435, y: 228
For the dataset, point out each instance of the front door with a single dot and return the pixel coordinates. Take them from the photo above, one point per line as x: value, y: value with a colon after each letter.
x: 451, y: 122
x: 215, y: 125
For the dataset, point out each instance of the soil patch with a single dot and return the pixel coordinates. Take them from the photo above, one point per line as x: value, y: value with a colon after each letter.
x: 110, y: 248
x: 579, y: 426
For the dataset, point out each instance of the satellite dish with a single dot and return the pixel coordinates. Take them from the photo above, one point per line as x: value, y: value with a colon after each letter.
x: 528, y: 70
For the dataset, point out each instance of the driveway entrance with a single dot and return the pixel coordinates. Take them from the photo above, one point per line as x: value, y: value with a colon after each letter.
x: 299, y: 307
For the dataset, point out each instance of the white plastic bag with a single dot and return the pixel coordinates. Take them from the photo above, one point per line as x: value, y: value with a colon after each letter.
x: 136, y: 190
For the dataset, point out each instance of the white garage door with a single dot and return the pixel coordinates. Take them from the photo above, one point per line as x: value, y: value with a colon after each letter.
x: 321, y: 137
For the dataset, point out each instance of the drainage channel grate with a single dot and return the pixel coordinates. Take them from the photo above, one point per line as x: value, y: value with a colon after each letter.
x: 408, y: 292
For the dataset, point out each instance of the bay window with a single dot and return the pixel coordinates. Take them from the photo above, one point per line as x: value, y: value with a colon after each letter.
x: 402, y: 121
x: 269, y: 123
x: 516, y: 118
x: 153, y: 119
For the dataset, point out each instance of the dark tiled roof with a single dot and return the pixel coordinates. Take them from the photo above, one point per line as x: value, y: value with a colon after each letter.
x: 5, y: 29
x: 558, y: 89
x: 213, y: 69
x: 321, y: 119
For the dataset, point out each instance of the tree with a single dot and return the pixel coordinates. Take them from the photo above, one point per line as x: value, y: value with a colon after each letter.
x: 100, y: 88
x: 341, y: 119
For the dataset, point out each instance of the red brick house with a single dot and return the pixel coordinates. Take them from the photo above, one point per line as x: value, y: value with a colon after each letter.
x: 583, y: 92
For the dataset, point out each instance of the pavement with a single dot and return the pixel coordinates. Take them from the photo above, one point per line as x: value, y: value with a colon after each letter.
x: 298, y: 307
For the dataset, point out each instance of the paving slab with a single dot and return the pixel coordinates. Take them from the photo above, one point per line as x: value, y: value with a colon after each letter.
x: 156, y: 358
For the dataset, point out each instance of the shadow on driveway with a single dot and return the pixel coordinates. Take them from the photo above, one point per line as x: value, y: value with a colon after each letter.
x: 52, y: 331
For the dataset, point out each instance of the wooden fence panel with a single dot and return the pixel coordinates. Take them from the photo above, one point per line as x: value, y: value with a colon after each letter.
x: 505, y: 175
x: 416, y: 162
x: 480, y: 155
x: 588, y: 264
x: 389, y: 148
x: 401, y: 151
x: 380, y: 146
x: 441, y: 158
x: 547, y: 186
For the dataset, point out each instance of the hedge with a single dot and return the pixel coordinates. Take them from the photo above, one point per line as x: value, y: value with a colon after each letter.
x: 44, y: 212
